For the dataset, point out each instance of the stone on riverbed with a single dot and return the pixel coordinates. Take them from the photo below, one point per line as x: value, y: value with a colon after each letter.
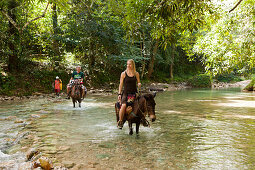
x: 11, y: 118
x: 68, y: 164
x: 45, y: 163
x: 60, y: 168
x: 18, y: 121
x: 31, y: 153
x: 35, y: 115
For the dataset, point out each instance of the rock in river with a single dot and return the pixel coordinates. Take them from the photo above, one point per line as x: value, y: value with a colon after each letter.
x: 31, y: 153
x: 45, y: 163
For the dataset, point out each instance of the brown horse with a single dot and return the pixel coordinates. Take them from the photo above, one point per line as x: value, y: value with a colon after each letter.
x: 76, y: 93
x: 143, y: 105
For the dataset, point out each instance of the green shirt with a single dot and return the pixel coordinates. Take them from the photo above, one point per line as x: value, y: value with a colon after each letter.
x: 76, y: 75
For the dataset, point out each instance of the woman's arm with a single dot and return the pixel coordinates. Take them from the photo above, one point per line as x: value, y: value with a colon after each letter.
x: 122, y: 76
x: 138, y: 79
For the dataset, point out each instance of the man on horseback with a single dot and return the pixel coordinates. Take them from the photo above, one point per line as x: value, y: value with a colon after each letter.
x: 77, y: 75
x: 129, y: 79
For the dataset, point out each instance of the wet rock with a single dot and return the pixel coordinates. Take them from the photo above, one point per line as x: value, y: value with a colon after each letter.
x: 92, y: 91
x: 36, y: 164
x: 92, y: 164
x: 11, y: 118
x: 81, y: 166
x: 31, y: 153
x: 68, y: 164
x: 156, y: 89
x: 45, y: 163
x: 35, y: 115
x: 64, y: 148
x: 37, y: 94
x: 60, y: 167
x: 18, y: 121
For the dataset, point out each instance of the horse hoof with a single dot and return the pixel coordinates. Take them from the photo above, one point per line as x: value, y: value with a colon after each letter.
x: 130, y: 133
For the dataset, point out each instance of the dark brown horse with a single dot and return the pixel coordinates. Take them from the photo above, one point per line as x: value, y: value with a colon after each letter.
x: 76, y: 93
x: 143, y: 105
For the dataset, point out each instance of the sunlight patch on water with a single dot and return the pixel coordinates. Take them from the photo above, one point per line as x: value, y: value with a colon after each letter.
x: 171, y: 112
x: 238, y: 103
x: 84, y: 106
x: 201, y: 100
x: 240, y: 116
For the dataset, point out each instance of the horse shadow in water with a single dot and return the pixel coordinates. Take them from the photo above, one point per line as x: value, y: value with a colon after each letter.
x: 143, y: 105
x: 76, y: 94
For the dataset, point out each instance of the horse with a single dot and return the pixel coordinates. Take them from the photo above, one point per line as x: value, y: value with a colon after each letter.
x: 143, y: 105
x: 76, y: 93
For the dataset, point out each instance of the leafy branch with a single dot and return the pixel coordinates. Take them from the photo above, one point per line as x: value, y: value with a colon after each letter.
x: 27, y: 23
x: 236, y: 5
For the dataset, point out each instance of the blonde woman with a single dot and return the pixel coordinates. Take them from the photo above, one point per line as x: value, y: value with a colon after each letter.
x: 130, y: 80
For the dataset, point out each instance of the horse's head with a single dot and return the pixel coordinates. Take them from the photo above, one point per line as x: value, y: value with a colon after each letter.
x: 76, y: 91
x: 150, y: 105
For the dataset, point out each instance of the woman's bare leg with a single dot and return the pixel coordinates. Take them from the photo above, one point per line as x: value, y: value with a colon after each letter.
x: 121, y: 115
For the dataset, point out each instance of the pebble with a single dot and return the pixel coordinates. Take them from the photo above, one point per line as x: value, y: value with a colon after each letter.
x: 68, y: 164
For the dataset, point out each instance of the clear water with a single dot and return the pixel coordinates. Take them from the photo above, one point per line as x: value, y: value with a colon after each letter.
x: 195, y: 129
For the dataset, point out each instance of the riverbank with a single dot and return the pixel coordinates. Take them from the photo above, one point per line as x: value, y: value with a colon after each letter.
x: 147, y: 87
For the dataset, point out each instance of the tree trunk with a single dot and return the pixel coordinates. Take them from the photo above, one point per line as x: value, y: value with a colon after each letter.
x: 171, y: 71
x: 142, y: 47
x: 12, y: 31
x: 172, y: 63
x: 55, y: 44
x: 91, y: 56
x: 151, y: 65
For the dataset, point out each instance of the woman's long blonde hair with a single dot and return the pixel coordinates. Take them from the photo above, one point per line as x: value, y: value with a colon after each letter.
x: 133, y: 65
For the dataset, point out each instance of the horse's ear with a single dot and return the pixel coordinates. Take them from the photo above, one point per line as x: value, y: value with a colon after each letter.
x: 154, y: 94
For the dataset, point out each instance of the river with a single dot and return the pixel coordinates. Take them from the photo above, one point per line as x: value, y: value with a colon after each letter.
x: 195, y: 129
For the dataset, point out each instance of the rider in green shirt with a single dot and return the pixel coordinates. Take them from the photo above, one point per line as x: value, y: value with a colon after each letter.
x: 77, y: 75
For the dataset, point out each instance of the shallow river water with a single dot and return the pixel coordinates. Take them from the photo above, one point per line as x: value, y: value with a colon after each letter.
x: 195, y: 129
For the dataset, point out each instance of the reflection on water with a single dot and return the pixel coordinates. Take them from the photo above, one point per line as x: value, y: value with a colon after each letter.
x: 195, y: 129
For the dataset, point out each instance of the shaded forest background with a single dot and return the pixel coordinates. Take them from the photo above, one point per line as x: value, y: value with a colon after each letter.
x: 170, y: 40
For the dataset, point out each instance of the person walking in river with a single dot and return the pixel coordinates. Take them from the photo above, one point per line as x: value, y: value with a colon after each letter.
x: 130, y: 79
x: 57, y: 85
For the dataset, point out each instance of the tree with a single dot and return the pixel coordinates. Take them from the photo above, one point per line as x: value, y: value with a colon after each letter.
x: 228, y: 45
x: 15, y: 30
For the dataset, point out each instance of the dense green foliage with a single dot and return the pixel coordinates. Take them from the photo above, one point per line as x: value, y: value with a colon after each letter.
x: 251, y: 85
x: 201, y: 80
x: 227, y: 45
x: 169, y: 40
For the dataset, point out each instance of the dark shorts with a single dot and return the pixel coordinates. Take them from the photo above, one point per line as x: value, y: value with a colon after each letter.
x: 128, y: 99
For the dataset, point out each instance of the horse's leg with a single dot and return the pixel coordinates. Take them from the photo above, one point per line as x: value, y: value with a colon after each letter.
x: 137, y: 127
x: 130, y: 128
x: 73, y: 102
x: 117, y: 112
x: 80, y: 103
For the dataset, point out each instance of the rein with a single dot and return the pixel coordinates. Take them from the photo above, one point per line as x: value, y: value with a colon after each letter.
x: 144, y: 113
